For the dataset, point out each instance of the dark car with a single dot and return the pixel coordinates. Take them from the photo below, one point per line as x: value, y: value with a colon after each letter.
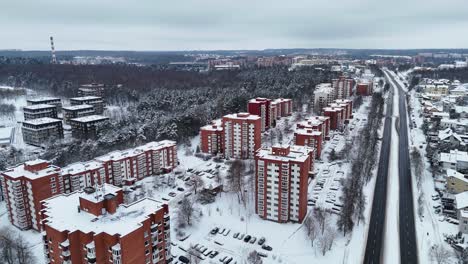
x: 228, y: 260
x: 184, y: 259
x: 214, y: 254
x: 267, y: 248
x: 261, y: 241
x: 214, y: 231
x: 180, y: 189
x: 247, y: 238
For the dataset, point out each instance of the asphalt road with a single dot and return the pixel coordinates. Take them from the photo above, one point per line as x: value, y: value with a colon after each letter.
x: 408, y: 248
x: 375, y: 236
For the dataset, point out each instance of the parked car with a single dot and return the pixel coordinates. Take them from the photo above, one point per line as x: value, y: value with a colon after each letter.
x: 180, y: 189
x: 228, y: 260
x: 235, y: 235
x: 253, y: 240
x: 172, y: 194
x: 214, y: 231
x: 184, y: 259
x: 241, y: 236
x: 214, y: 254
x: 247, y: 238
x: 267, y: 248
x: 261, y: 241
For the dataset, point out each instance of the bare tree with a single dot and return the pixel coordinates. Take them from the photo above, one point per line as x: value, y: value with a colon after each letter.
x: 327, y: 239
x: 197, y: 182
x: 14, y: 249
x: 236, y: 179
x: 311, y: 228
x: 193, y: 255
x: 321, y: 217
x: 187, y: 212
x: 254, y: 258
x: 439, y: 254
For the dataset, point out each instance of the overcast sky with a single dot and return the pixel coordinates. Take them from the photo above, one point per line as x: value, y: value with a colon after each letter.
x: 232, y: 24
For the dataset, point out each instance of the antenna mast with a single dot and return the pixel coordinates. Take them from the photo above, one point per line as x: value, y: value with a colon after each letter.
x: 54, y: 59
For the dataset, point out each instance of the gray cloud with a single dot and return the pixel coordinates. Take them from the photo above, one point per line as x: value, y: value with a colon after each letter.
x: 233, y: 24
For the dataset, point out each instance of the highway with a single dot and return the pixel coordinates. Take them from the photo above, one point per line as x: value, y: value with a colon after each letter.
x: 408, y: 247
x: 375, y: 235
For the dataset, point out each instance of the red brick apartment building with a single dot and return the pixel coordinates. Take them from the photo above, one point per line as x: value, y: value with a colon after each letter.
x: 365, y: 88
x: 336, y: 116
x: 212, y: 138
x: 281, y: 182
x: 318, y: 123
x: 343, y: 87
x: 282, y: 107
x: 261, y: 107
x: 25, y: 186
x: 310, y: 138
x: 242, y: 135
x: 94, y: 226
x: 348, y: 104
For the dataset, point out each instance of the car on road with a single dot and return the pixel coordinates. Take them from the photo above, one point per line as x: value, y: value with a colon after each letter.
x: 184, y: 259
x: 180, y: 189
x: 247, y: 238
x: 214, y: 231
x: 261, y: 241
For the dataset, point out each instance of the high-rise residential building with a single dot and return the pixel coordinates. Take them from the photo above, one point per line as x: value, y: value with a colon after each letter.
x: 75, y: 111
x: 283, y: 107
x: 261, y: 107
x: 212, y: 138
x: 281, y: 174
x: 92, y: 89
x: 336, y: 116
x: 242, y: 135
x: 39, y: 111
x: 127, y: 166
x: 80, y: 175
x: 324, y: 94
x: 364, y: 88
x: 46, y: 100
x: 38, y: 131
x: 343, y: 87
x: 86, y: 126
x: 25, y: 186
x: 309, y: 137
x: 317, y: 123
x: 348, y: 105
x: 94, y: 226
x: 95, y: 101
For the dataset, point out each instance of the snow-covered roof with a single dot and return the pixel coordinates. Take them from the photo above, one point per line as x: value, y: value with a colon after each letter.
x: 242, y: 116
x: 259, y: 100
x: 296, y: 153
x: 80, y: 167
x: 42, y: 99
x: 86, y: 98
x: 63, y: 214
x: 461, y: 200
x: 308, y: 132
x: 121, y: 154
x: 216, y: 125
x: 41, y: 121
x: 38, y: 106
x: 454, y: 156
x: 448, y: 132
x: 77, y: 107
x: 19, y: 171
x: 461, y: 109
x: 456, y: 174
x: 90, y: 118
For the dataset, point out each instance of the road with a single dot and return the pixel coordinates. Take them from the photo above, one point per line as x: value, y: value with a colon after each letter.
x: 408, y: 247
x: 375, y: 235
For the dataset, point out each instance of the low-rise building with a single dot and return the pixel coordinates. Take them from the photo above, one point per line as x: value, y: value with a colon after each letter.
x: 212, y: 138
x: 242, y: 135
x: 39, y: 110
x: 281, y: 174
x: 25, y: 186
x: 86, y: 126
x: 456, y: 182
x: 95, y: 226
x: 75, y: 111
x: 38, y: 131
x: 46, y: 100
x: 455, y: 160
x: 95, y: 101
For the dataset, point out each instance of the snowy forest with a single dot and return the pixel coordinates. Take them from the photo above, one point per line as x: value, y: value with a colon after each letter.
x: 154, y: 104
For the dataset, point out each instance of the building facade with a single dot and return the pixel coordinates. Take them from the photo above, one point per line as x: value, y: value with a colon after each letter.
x: 242, y: 135
x: 94, y: 226
x: 364, y: 88
x: 86, y: 126
x: 343, y: 87
x: 261, y: 108
x: 92, y: 89
x: 324, y: 95
x: 46, y: 100
x: 281, y: 174
x: 38, y: 131
x: 212, y: 138
x: 76, y: 111
x: 336, y: 117
x: 24, y: 187
x: 310, y: 138
x: 39, y: 111
x: 95, y: 101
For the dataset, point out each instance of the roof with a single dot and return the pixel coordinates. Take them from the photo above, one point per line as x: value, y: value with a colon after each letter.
x: 448, y: 132
x: 121, y: 154
x: 41, y: 99
x: 90, y: 118
x: 210, y: 127
x: 19, y: 171
x: 38, y: 106
x: 308, y: 132
x: 461, y: 109
x: 454, y: 156
x: 456, y: 174
x: 80, y: 167
x: 242, y: 116
x: 41, y: 121
x: 296, y: 153
x: 77, y: 107
x: 86, y: 98
x: 63, y: 214
x: 461, y: 200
